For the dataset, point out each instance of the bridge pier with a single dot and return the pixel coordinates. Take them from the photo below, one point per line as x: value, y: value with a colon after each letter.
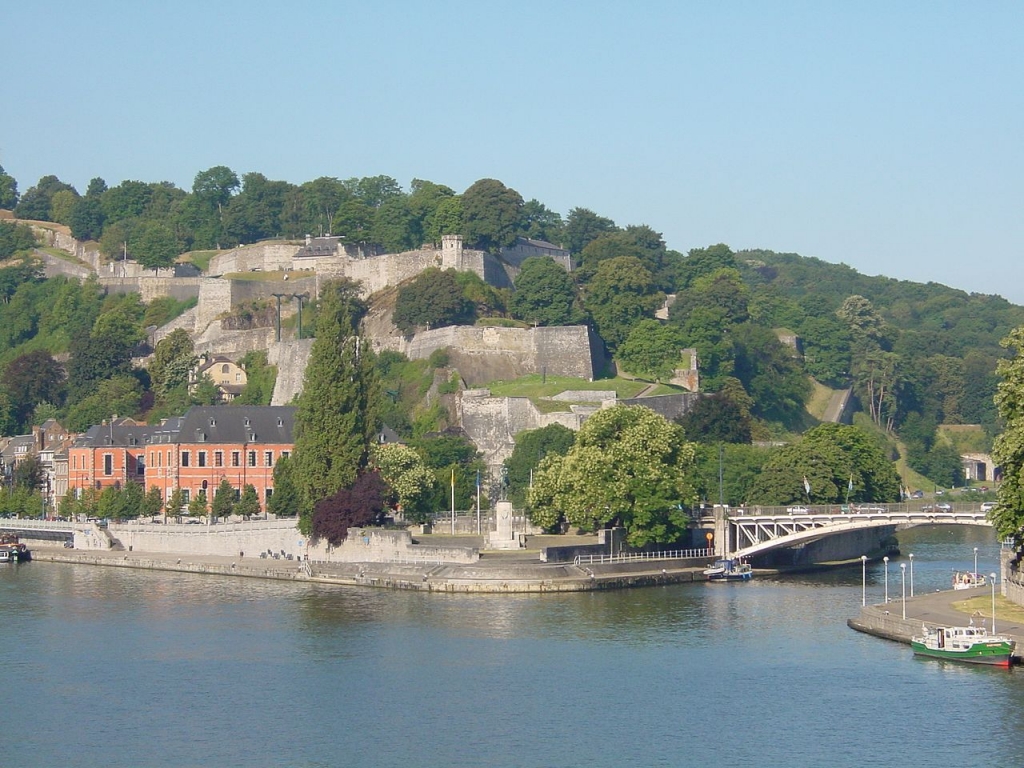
x: 723, y: 544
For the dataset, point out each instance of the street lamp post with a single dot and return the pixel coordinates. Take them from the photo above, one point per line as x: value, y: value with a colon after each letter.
x: 911, y: 574
x: 903, y: 583
x: 278, y: 296
x: 300, y: 297
x: 886, y: 561
x: 975, y: 561
x: 993, y: 603
x: 863, y: 580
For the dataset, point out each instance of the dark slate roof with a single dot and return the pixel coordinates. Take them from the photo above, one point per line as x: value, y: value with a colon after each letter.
x: 25, y: 442
x: 116, y: 434
x: 540, y: 244
x: 238, y: 424
x: 167, y: 430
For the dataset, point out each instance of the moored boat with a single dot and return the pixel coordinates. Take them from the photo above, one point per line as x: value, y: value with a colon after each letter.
x: 968, y: 580
x: 729, y: 570
x: 971, y: 644
x: 12, y: 550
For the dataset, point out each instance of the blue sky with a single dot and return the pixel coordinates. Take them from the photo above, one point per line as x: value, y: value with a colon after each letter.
x: 883, y: 135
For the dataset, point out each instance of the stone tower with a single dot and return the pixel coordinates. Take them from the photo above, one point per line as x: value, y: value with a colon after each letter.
x: 451, y: 251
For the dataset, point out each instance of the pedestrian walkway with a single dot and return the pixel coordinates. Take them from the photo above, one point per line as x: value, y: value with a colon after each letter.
x: 933, y: 608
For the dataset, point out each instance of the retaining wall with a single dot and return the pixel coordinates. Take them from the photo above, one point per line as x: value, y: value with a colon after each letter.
x: 280, y: 538
x: 290, y: 358
x: 489, y: 353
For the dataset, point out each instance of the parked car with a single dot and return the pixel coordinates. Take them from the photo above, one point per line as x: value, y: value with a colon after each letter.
x: 988, y: 506
x: 798, y: 510
x: 917, y: 495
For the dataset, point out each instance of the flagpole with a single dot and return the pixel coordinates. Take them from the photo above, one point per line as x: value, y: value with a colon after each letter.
x: 453, y: 501
x: 478, y: 502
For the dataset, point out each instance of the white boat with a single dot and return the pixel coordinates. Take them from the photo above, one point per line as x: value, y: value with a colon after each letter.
x: 729, y: 570
x: 968, y: 580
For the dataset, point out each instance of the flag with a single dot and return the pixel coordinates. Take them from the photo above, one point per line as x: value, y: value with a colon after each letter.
x: 807, y: 486
x: 478, y: 478
x: 849, y: 486
x: 453, y: 477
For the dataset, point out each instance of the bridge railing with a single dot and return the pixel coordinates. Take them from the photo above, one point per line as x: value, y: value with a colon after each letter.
x: 848, y: 509
x: 633, y: 557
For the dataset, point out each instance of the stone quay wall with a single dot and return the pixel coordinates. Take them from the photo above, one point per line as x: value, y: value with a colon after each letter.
x: 268, y: 539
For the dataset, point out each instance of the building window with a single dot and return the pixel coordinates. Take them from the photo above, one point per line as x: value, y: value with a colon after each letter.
x: 185, y: 496
x: 108, y: 464
x: 202, y: 458
x: 268, y: 458
x: 236, y: 459
x: 184, y: 458
x: 252, y: 458
x: 267, y: 493
x: 218, y: 458
x: 140, y: 466
x: 74, y: 462
x: 225, y: 368
x: 285, y: 454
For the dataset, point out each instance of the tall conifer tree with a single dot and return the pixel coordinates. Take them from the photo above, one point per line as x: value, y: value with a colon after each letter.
x: 338, y: 412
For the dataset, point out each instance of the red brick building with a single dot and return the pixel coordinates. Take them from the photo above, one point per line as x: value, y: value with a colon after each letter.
x: 240, y: 444
x: 110, y: 454
x: 194, y: 452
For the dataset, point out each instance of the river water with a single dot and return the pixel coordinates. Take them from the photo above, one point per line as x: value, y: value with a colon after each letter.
x: 114, y: 667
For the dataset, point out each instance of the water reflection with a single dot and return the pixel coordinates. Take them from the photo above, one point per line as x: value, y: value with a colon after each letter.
x: 182, y: 669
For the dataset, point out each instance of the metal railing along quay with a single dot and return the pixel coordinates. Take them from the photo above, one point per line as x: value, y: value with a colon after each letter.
x: 633, y: 557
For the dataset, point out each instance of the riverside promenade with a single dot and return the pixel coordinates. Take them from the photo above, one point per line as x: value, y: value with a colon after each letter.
x: 518, y: 571
x: 932, y: 608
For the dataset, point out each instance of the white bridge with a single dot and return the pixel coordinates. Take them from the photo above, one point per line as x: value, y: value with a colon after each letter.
x: 744, y: 533
x: 35, y: 525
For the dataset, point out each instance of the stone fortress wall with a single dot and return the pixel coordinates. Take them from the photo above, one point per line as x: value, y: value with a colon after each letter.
x: 493, y: 422
x: 490, y: 353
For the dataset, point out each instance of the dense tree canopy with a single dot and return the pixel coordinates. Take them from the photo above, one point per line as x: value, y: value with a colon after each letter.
x: 491, y: 215
x: 545, y: 294
x: 628, y: 466
x: 621, y: 293
x: 410, y: 481
x: 1008, y: 451
x: 432, y: 299
x: 835, y: 462
x: 361, y: 505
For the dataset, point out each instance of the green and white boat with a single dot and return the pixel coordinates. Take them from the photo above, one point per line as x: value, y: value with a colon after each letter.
x: 970, y: 644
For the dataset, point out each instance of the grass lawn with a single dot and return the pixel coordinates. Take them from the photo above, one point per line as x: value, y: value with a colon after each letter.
x: 982, y: 605
x: 200, y: 258
x: 536, y: 386
x: 57, y: 253
x: 819, y: 400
